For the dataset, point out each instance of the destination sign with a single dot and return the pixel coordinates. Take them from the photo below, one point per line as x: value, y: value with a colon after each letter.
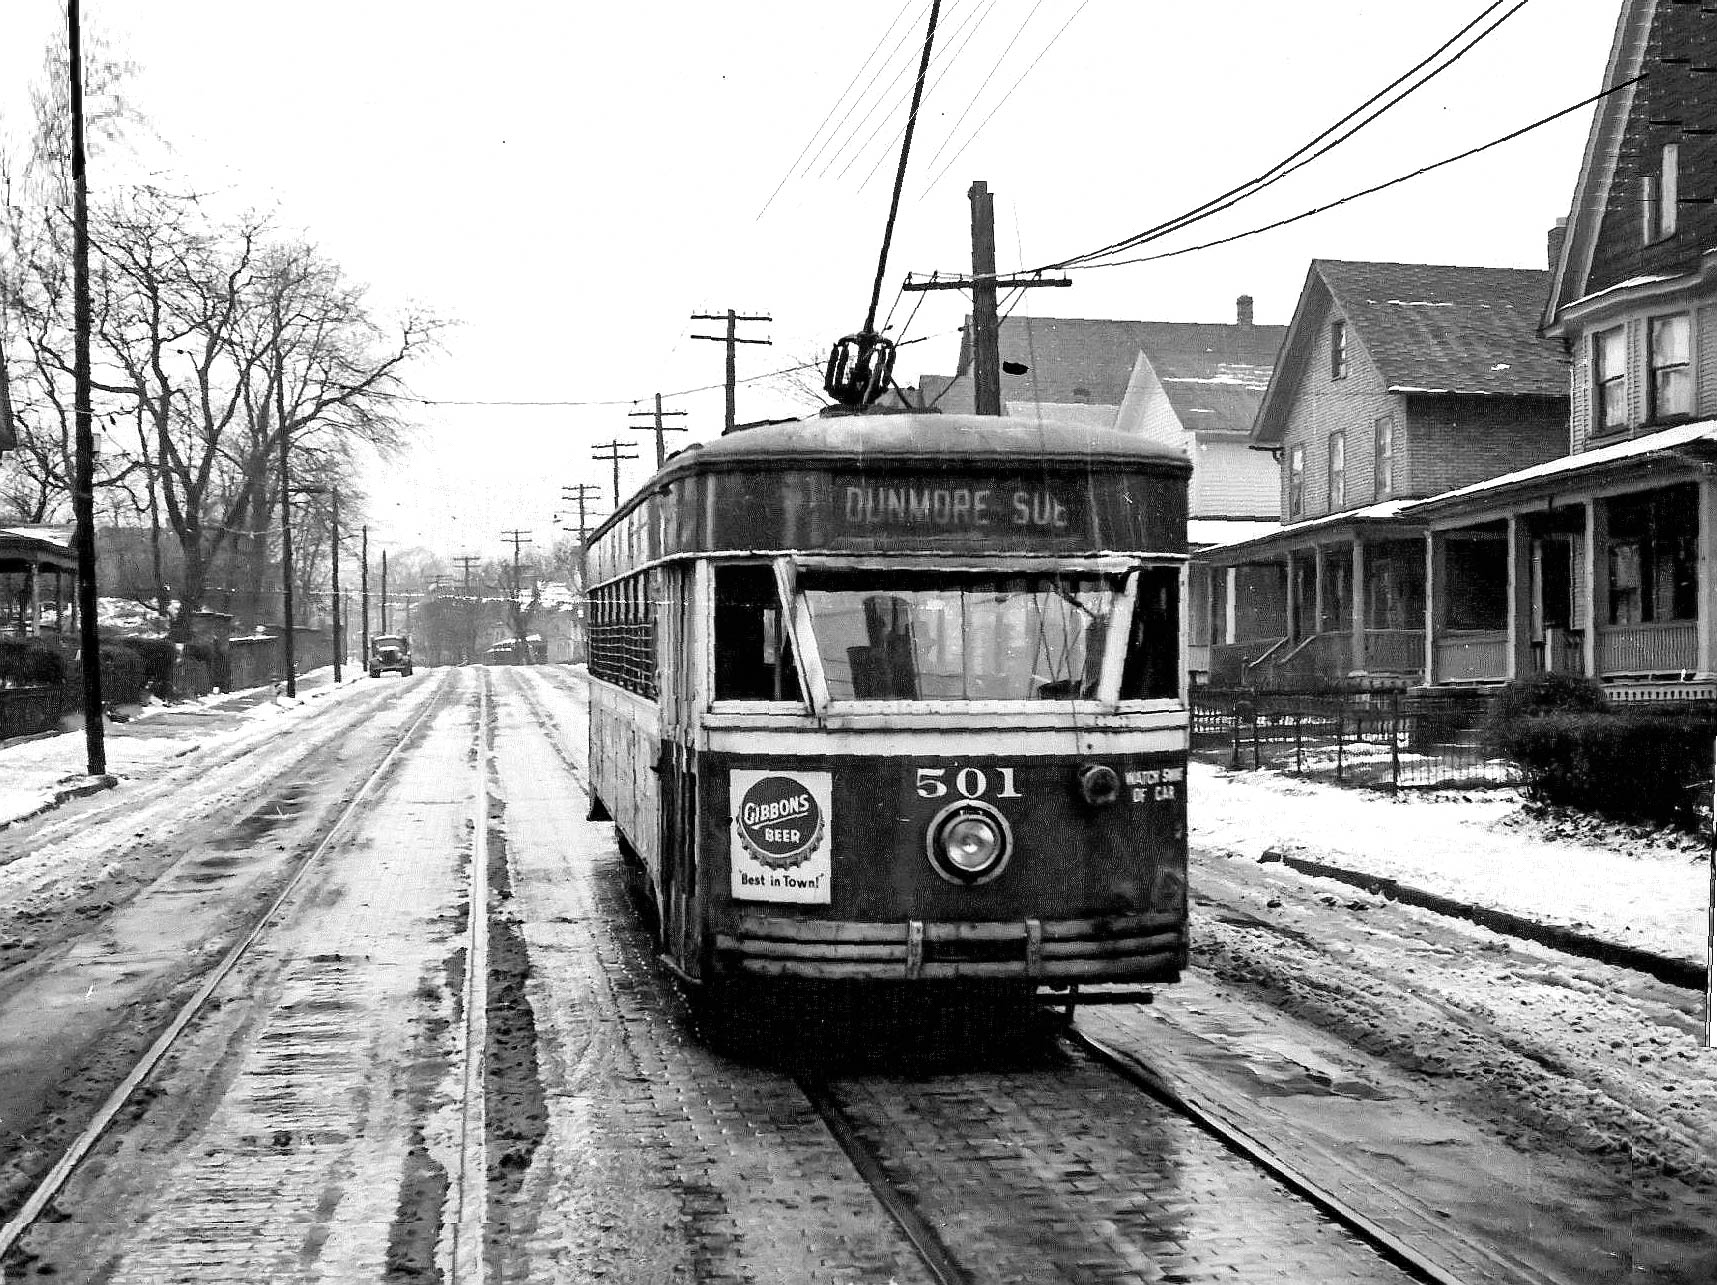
x: 925, y: 505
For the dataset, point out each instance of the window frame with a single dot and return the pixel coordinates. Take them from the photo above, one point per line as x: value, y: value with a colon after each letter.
x: 1336, y: 494
x: 1383, y: 457
x: 1660, y: 196
x: 1602, y: 382
x: 1654, y: 411
x: 1338, y: 357
x: 1297, y: 480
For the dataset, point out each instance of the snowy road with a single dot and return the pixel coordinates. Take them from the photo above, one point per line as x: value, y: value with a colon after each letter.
x: 1514, y: 1114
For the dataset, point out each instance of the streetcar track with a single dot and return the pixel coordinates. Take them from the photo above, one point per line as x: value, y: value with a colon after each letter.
x: 37, y: 1203
x: 1212, y: 1121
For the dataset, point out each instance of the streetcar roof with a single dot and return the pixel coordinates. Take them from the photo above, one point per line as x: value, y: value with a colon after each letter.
x: 832, y: 440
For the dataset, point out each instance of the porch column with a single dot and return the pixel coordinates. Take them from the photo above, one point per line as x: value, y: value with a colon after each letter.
x: 1228, y: 625
x: 1435, y: 575
x: 36, y: 596
x: 1317, y: 589
x: 1594, y: 583
x: 1707, y: 653
x: 1357, y: 597
x: 1519, y: 660
x: 1291, y: 605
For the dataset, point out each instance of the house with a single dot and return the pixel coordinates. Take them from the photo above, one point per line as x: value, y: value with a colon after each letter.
x: 1611, y: 550
x: 28, y: 555
x: 1396, y: 382
x: 1195, y: 385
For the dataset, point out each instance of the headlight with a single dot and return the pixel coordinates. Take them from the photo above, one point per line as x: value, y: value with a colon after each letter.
x: 968, y: 842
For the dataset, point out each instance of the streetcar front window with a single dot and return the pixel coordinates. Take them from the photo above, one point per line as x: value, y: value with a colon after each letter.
x: 933, y: 636
x: 753, y: 652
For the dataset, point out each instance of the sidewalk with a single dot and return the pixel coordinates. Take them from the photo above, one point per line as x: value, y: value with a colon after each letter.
x: 40, y: 773
x: 1635, y: 887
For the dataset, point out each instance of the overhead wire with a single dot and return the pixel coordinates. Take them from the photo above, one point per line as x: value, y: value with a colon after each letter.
x: 1354, y: 196
x: 885, y: 98
x: 985, y: 83
x: 980, y: 13
x: 905, y: 5
x: 1009, y: 94
x: 1299, y: 158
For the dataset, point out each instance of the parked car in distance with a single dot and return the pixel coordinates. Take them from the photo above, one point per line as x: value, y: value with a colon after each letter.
x: 390, y: 651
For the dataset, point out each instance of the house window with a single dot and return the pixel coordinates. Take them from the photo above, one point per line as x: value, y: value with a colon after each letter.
x: 1671, y: 387
x: 1338, y: 350
x: 1297, y: 480
x: 1337, y: 471
x: 1659, y: 195
x: 1383, y: 466
x: 1654, y: 556
x: 1609, y: 380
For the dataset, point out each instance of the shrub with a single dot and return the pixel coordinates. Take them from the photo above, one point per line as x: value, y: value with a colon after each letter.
x: 123, y: 676
x: 157, y: 657
x: 215, y: 660
x: 1632, y: 765
x: 31, y: 664
x: 1546, y: 694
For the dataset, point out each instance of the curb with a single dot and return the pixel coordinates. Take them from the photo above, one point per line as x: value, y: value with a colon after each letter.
x: 64, y: 795
x: 1675, y: 972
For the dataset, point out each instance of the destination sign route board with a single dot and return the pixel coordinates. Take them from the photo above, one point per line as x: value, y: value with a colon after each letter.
x: 931, y: 505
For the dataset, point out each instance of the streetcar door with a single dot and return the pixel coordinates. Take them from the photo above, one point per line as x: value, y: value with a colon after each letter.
x: 677, y: 779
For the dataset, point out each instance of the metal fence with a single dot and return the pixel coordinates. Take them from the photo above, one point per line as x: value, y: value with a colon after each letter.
x: 1388, y: 739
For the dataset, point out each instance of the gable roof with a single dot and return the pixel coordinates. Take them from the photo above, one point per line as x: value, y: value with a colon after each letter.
x: 1083, y: 360
x: 1427, y: 328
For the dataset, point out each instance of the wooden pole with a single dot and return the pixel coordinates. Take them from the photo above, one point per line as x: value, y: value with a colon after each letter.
x: 83, y: 490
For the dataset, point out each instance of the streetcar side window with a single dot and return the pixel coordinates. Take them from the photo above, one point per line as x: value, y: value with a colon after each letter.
x: 753, y: 650
x: 623, y: 634
x: 1152, y: 668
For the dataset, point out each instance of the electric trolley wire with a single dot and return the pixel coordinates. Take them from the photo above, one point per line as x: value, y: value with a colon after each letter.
x: 985, y: 83
x: 835, y: 106
x: 1299, y: 158
x: 884, y: 99
x: 972, y: 137
x: 943, y: 64
x: 1354, y: 196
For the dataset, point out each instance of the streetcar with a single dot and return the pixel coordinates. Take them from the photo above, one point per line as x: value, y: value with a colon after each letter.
x: 899, y: 697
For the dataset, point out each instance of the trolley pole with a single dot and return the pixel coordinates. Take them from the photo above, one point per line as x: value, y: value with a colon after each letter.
x: 661, y: 430
x: 615, y: 455
x: 731, y: 339
x: 83, y: 489
x: 984, y: 285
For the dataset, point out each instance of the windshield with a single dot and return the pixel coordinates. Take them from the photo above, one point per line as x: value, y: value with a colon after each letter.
x: 900, y: 636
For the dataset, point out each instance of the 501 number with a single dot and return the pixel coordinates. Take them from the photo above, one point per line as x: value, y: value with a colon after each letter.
x: 968, y: 782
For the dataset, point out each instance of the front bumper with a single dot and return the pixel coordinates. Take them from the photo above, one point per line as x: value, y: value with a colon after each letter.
x: 1151, y: 947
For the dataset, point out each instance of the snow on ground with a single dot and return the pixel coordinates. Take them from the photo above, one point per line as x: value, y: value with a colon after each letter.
x: 1634, y: 887
x: 36, y: 771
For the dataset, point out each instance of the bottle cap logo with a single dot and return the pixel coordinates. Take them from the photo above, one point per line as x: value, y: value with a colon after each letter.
x: 779, y: 822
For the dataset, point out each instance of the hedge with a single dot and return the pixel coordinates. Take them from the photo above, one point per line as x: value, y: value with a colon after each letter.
x: 30, y: 664
x: 1636, y: 764
x: 216, y: 660
x: 157, y: 657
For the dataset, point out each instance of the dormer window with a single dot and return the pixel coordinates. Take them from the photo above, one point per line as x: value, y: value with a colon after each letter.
x: 1338, y: 350
x: 1671, y: 387
x: 1659, y: 195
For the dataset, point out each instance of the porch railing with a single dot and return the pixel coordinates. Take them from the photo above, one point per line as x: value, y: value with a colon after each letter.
x: 1320, y: 658
x: 1471, y: 656
x: 1668, y: 648
x: 1229, y: 662
x: 1394, y: 651
x: 1562, y: 651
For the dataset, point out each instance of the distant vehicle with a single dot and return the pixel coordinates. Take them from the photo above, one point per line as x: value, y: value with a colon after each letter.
x: 509, y: 653
x: 390, y: 651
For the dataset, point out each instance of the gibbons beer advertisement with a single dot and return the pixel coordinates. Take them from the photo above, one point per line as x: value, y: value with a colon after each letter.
x: 781, y: 840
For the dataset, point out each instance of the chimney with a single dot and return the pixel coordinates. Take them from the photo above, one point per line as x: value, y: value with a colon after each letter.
x: 1243, y: 310
x: 1558, y: 235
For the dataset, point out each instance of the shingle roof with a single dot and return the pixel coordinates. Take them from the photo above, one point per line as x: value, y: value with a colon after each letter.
x: 1432, y: 328
x: 1075, y: 359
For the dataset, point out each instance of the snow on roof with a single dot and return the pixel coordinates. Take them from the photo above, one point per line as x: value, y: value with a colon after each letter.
x: 1203, y: 532
x: 1664, y: 439
x: 1384, y: 511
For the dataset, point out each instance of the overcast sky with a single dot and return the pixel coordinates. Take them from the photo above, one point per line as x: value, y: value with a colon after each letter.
x: 570, y: 181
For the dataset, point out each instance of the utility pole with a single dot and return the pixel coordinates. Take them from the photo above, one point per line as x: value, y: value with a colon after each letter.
x: 465, y: 560
x: 660, y: 429
x: 614, y: 450
x: 518, y: 538
x: 339, y: 643
x: 983, y: 283
x: 83, y: 490
x: 384, y: 591
x: 731, y: 340
x: 577, y: 495
x: 364, y: 657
